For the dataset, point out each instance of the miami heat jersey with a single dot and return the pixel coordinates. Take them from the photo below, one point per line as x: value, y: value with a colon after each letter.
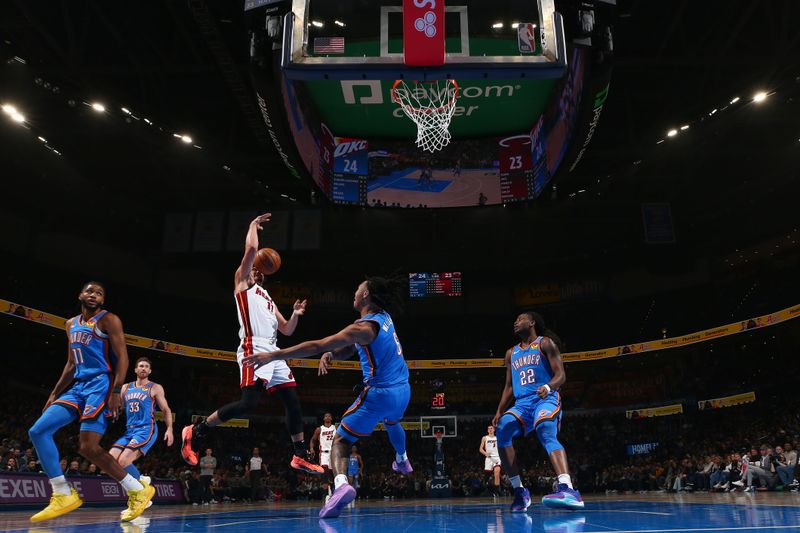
x: 326, y: 436
x: 382, y: 362
x: 90, y: 348
x: 530, y: 369
x: 491, y: 446
x: 258, y: 323
x: 139, y: 405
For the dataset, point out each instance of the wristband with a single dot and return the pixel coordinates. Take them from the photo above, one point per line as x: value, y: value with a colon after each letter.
x: 549, y: 390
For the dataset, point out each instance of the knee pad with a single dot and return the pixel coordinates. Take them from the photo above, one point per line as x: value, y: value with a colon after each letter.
x: 547, y: 431
x: 508, y: 427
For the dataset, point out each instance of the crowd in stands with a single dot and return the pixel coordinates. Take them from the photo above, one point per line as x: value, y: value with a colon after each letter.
x: 709, y: 450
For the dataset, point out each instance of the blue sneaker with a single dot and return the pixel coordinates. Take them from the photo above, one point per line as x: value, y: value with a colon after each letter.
x: 564, y: 498
x: 522, y: 500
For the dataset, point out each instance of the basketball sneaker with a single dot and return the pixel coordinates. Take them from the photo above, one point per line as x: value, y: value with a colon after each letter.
x: 144, y: 479
x: 339, y: 499
x: 137, y: 502
x: 563, y: 498
x: 522, y: 500
x: 298, y: 463
x: 190, y: 445
x: 402, y: 468
x: 59, y: 504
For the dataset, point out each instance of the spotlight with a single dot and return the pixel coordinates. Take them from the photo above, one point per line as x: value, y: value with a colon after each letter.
x: 684, y: 127
x: 759, y: 97
x: 672, y: 133
x: 317, y: 23
x: 497, y: 25
x: 18, y: 117
x: 735, y: 99
x: 186, y: 139
x: 42, y: 139
x: 339, y: 23
x: 97, y: 106
x: 126, y: 110
x: 10, y: 109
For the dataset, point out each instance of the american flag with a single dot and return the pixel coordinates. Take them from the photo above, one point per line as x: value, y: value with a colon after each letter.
x: 328, y: 45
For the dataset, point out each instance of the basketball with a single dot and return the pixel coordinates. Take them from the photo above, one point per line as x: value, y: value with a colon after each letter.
x: 268, y: 261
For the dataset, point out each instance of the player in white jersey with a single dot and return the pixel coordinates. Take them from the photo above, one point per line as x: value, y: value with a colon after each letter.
x: 491, y: 463
x: 323, y: 439
x: 259, y: 324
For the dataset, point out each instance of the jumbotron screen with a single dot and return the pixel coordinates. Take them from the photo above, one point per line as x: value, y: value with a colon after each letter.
x: 424, y: 284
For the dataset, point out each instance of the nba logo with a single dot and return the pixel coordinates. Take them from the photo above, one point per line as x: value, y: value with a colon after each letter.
x: 526, y: 36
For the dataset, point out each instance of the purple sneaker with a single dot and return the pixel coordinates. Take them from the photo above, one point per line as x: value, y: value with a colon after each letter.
x: 564, y: 498
x: 522, y: 500
x: 402, y: 468
x: 340, y: 497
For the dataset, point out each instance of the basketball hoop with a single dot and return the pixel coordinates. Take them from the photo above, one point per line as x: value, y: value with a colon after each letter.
x: 430, y: 104
x: 439, y: 436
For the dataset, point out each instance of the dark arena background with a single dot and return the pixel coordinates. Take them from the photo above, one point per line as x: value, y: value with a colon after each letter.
x: 626, y: 170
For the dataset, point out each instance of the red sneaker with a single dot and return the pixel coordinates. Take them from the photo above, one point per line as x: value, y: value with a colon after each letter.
x: 298, y: 463
x: 189, y: 455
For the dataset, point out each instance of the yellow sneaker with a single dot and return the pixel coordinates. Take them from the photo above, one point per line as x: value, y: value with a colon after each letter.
x: 59, y: 504
x: 137, y: 502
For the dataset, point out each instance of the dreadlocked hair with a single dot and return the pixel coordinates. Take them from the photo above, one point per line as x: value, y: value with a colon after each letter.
x: 387, y: 292
x: 542, y: 329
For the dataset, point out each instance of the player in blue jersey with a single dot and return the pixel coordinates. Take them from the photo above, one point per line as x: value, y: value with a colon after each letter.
x: 139, y: 399
x: 385, y: 378
x: 88, y: 391
x: 534, y: 374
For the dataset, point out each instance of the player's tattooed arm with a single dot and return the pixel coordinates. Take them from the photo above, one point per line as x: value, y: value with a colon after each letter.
x: 508, y: 391
x: 358, y: 333
x: 241, y: 280
x: 66, y: 375
x: 553, y: 355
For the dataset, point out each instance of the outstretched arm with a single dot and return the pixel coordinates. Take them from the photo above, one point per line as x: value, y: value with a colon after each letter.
x: 553, y: 355
x: 358, y: 333
x: 342, y: 353
x: 112, y: 325
x: 287, y: 327
x: 161, y: 400
x: 242, y: 276
x: 508, y: 391
x: 66, y: 375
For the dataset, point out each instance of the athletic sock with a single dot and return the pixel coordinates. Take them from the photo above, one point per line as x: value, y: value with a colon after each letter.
x: 129, y: 483
x: 400, y: 458
x: 339, y: 480
x: 133, y: 471
x: 60, y: 485
x: 516, y: 482
x: 300, y: 448
x: 565, y: 480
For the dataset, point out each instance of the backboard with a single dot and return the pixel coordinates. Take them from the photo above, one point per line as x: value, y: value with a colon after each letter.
x: 361, y: 39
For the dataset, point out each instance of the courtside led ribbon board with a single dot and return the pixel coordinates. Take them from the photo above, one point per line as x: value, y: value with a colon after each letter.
x: 423, y: 33
x: 727, y: 401
x: 649, y: 412
x: 20, y: 311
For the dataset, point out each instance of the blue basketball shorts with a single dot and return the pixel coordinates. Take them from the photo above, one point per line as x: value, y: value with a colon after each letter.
x: 373, y: 405
x: 140, y: 438
x: 531, y: 411
x: 89, y: 398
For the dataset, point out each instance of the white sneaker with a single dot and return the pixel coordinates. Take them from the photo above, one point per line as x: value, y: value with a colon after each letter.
x: 214, y: 501
x: 726, y: 486
x: 739, y: 483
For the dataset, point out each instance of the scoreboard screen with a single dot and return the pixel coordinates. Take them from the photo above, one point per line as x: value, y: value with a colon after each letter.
x: 423, y: 284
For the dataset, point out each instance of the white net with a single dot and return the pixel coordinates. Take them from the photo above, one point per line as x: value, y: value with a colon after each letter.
x: 430, y: 105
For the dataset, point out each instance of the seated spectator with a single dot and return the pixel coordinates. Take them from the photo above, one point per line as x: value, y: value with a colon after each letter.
x: 74, y: 469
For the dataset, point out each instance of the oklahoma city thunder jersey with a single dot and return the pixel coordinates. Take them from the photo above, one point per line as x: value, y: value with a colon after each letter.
x: 89, y: 348
x: 530, y: 369
x: 382, y: 361
x: 139, y: 405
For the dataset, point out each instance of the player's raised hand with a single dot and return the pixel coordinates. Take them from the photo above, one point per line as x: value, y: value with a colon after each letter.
x: 168, y: 437
x: 114, y: 402
x: 324, y: 363
x: 300, y: 307
x: 260, y: 219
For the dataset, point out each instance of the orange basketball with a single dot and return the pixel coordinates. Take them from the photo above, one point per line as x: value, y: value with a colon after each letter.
x: 267, y: 261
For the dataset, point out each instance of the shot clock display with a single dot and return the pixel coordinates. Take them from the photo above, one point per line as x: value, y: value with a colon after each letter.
x: 424, y: 284
x: 438, y: 402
